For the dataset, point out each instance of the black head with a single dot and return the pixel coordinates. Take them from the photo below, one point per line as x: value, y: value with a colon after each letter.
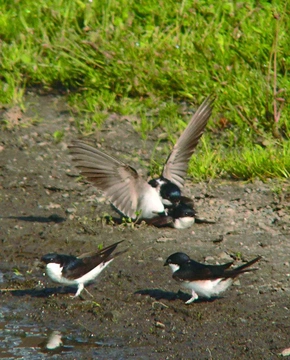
x: 54, y: 258
x: 170, y: 191
x: 178, y: 258
x: 182, y: 210
x: 154, y: 183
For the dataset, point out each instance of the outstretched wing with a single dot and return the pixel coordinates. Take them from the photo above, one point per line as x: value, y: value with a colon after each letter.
x: 175, y: 168
x: 118, y: 181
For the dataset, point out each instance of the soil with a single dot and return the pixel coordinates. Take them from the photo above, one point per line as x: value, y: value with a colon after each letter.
x: 137, y: 311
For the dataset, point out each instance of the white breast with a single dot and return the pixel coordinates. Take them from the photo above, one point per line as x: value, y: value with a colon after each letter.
x: 54, y: 270
x: 150, y: 203
x: 184, y: 222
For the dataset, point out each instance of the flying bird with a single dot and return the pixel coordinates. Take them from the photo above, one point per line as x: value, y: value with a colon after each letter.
x: 204, y: 280
x: 128, y: 192
x: 78, y: 271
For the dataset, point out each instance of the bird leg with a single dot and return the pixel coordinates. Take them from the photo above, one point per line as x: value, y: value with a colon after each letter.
x: 89, y: 293
x: 80, y: 289
x: 193, y: 297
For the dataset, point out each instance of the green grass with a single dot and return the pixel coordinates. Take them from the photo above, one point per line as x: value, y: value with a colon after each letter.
x: 146, y: 57
x: 247, y: 163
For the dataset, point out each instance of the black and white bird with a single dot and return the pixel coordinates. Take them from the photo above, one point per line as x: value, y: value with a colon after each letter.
x: 180, y: 216
x: 183, y: 215
x: 128, y: 192
x: 78, y: 271
x: 204, y: 280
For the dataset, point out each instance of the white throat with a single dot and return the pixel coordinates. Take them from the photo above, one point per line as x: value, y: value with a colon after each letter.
x: 174, y: 267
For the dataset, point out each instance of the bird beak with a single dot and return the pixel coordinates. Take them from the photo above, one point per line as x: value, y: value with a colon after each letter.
x: 165, y: 264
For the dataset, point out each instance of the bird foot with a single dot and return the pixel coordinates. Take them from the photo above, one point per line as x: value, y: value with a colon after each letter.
x: 192, y: 299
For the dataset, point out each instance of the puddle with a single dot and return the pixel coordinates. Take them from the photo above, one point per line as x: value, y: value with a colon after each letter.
x: 1, y: 277
x: 20, y: 339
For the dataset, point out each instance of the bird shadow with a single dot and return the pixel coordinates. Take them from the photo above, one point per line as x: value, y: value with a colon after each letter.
x: 40, y: 219
x: 159, y: 294
x: 45, y: 293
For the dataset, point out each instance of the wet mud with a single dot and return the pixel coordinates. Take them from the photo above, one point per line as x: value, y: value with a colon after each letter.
x: 137, y: 310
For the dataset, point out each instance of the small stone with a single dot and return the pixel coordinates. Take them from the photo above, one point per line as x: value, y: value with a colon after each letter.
x: 164, y: 239
x: 209, y: 259
x: 159, y: 325
x: 219, y: 239
x: 70, y: 210
x: 285, y: 352
x: 52, y: 206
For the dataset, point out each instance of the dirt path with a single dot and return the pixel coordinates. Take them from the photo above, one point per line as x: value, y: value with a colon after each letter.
x: 137, y: 311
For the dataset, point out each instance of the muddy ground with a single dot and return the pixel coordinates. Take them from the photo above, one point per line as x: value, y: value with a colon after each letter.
x: 137, y: 310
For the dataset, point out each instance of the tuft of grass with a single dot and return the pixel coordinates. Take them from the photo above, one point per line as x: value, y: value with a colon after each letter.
x: 58, y: 135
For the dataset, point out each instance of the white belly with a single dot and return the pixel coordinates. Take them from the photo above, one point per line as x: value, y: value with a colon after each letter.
x: 54, y: 272
x: 209, y: 288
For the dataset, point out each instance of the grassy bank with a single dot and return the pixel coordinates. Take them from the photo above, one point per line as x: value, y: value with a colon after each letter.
x: 148, y: 58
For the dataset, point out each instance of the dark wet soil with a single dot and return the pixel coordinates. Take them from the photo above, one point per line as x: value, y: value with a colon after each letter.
x: 137, y: 310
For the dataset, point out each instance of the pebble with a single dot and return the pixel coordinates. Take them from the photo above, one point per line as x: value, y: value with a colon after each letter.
x: 160, y: 325
x: 51, y: 206
x: 209, y: 259
x: 70, y: 210
x: 164, y: 239
x: 285, y: 352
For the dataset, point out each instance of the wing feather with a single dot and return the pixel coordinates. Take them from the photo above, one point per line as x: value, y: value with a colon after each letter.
x: 117, y: 180
x: 194, y: 271
x: 87, y: 262
x: 175, y: 168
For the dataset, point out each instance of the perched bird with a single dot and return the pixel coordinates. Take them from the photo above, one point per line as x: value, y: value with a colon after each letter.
x: 180, y: 216
x: 204, y: 280
x: 183, y: 216
x: 79, y: 271
x: 128, y: 192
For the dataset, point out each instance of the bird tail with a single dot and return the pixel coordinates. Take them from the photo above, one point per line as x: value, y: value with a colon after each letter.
x: 106, y: 252
x: 244, y: 268
x: 119, y: 253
